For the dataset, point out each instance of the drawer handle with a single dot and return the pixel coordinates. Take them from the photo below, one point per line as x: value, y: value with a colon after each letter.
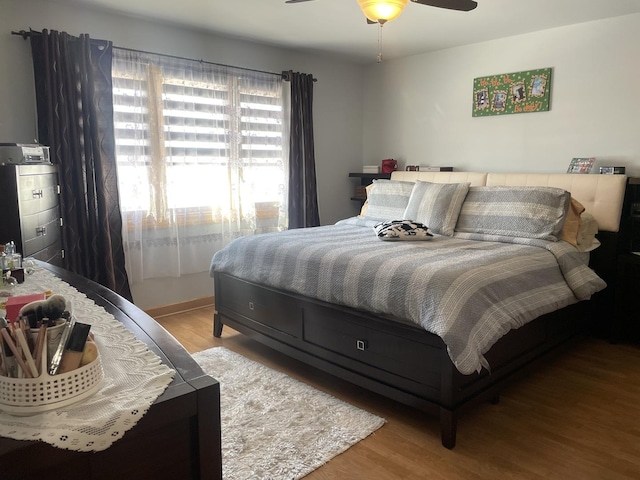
x: 41, y: 231
x: 37, y: 193
x: 251, y: 306
x: 361, y: 345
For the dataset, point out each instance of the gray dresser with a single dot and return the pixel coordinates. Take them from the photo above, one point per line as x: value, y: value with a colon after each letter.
x: 30, y: 211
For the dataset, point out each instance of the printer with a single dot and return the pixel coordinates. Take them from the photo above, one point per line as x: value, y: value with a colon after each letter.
x: 24, y: 154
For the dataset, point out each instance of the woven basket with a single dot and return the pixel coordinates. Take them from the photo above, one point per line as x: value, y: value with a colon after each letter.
x: 28, y: 396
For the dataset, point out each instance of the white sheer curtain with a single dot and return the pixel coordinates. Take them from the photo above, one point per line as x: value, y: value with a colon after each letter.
x: 200, y: 158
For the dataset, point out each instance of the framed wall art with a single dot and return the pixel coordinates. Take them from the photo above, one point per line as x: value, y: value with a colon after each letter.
x: 508, y: 93
x: 581, y: 165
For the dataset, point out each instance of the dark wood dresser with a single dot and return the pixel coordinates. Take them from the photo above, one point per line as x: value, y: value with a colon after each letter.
x: 29, y: 202
x: 178, y: 438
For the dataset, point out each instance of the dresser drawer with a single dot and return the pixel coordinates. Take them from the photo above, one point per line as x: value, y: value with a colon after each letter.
x: 416, y: 361
x: 39, y: 230
x: 38, y: 192
x: 260, y: 305
x: 51, y: 254
x: 31, y: 212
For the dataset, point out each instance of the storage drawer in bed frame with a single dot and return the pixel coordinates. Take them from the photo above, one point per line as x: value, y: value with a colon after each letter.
x: 260, y: 308
x: 392, y: 358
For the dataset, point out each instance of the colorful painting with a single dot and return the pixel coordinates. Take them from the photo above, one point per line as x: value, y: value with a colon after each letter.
x: 518, y: 92
x: 581, y: 165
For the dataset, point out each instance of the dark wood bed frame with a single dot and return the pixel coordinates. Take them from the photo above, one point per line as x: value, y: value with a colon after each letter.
x: 392, y: 357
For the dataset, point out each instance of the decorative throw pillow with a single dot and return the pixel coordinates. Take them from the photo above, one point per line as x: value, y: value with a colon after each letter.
x: 388, y: 199
x: 586, y: 237
x: 402, y: 230
x: 437, y: 205
x: 529, y: 212
x: 572, y: 223
x: 365, y: 205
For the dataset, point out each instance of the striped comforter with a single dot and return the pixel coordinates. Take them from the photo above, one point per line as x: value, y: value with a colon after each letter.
x: 467, y: 291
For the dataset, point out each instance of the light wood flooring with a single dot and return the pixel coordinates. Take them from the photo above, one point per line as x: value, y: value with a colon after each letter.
x: 576, y: 417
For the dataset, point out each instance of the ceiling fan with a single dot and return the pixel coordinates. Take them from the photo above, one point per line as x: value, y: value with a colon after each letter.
x: 382, y: 11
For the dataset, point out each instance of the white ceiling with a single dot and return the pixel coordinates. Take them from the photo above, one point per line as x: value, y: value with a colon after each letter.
x: 339, y: 27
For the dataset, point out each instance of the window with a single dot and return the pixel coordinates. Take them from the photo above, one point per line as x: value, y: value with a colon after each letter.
x: 200, y: 153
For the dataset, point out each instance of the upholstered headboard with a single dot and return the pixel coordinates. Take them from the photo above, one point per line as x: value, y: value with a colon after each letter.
x: 476, y: 179
x: 601, y: 195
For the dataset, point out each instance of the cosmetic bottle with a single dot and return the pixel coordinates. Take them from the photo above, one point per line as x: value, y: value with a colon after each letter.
x: 4, y: 262
x: 75, y: 346
x: 14, y: 259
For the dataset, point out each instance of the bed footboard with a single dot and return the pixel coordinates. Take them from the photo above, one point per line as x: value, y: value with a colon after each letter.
x: 381, y: 354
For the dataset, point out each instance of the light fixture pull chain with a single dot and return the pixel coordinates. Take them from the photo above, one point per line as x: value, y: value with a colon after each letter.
x: 379, y: 59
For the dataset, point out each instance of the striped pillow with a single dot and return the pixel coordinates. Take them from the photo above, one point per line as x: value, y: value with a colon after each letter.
x: 436, y: 205
x: 529, y: 212
x: 388, y: 200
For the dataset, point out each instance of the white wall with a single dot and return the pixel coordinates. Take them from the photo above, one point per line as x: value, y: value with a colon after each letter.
x: 418, y: 109
x: 337, y: 100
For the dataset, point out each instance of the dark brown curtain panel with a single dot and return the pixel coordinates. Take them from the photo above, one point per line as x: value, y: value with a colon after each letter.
x: 75, y: 118
x: 303, y: 195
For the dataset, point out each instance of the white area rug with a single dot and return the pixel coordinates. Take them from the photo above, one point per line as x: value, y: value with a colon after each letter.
x: 275, y: 427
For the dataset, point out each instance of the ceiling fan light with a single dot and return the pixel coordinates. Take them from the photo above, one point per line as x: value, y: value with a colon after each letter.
x: 382, y: 10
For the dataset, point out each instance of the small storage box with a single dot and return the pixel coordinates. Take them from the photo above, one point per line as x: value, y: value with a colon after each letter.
x: 14, y: 304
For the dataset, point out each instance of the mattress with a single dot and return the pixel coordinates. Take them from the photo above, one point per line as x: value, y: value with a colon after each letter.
x: 470, y: 292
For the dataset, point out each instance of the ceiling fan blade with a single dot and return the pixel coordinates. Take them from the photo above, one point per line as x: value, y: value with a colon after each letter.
x: 463, y: 5
x: 297, y: 1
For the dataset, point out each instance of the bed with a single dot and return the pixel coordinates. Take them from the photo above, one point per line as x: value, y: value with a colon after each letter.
x: 439, y: 324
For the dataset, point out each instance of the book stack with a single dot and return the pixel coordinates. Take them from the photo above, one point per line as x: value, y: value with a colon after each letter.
x: 436, y: 169
x: 370, y: 169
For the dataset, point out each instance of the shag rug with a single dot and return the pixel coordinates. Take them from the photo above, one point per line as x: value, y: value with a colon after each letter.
x: 275, y: 427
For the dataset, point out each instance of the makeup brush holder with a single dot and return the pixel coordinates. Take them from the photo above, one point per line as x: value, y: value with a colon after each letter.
x: 54, y: 335
x: 28, y: 396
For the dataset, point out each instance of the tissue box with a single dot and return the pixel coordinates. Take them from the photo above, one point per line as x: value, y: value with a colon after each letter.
x: 370, y: 169
x: 14, y: 304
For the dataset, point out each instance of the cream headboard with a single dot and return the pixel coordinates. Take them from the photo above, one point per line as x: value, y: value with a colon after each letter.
x: 601, y: 195
x: 476, y: 179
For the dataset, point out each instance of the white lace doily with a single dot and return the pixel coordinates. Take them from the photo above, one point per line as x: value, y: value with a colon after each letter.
x: 134, y: 378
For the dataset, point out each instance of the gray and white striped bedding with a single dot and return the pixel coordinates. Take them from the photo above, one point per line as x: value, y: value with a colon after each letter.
x: 469, y: 292
x: 515, y: 211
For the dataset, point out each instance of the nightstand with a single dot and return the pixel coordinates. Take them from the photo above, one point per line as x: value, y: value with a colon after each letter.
x: 366, y: 179
x: 626, y: 323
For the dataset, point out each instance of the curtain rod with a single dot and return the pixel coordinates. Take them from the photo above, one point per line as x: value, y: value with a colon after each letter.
x: 285, y: 75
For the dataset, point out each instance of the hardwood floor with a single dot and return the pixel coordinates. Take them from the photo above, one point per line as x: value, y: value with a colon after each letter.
x: 576, y: 417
